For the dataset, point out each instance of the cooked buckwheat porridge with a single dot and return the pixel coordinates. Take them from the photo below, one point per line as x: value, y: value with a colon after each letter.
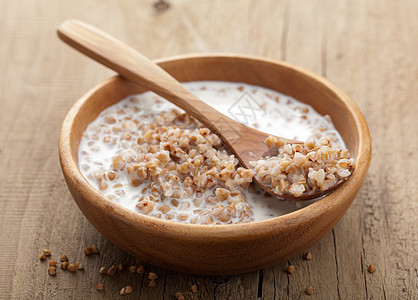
x: 147, y: 155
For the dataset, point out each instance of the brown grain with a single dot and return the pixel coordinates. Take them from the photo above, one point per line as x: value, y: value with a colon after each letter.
x: 290, y: 269
x: 309, y: 290
x: 64, y: 265
x: 94, y: 249
x: 72, y: 268
x: 112, y: 270
x: 301, y: 169
x: 52, y: 263
x: 132, y: 269
x: 179, y: 296
x: 126, y: 290
x: 88, y: 251
x: 152, y: 283
x: 52, y: 271
x: 64, y: 257
x: 308, y: 255
x: 371, y: 268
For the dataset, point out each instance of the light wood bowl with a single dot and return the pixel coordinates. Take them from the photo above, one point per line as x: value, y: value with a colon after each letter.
x: 219, y: 249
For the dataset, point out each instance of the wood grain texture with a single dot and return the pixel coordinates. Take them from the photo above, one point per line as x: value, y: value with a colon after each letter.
x: 366, y: 48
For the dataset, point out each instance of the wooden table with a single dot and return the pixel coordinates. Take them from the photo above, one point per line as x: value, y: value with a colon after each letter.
x: 369, y: 49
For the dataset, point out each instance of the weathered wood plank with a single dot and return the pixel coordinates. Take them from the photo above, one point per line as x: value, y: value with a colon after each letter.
x: 383, y: 58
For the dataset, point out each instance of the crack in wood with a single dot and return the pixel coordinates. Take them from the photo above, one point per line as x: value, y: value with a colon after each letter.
x: 165, y: 283
x: 288, y: 281
x: 336, y: 264
x: 362, y: 266
x: 260, y: 284
x: 214, y: 291
x: 219, y: 280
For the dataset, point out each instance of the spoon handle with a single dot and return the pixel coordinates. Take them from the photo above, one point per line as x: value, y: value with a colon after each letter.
x: 134, y: 66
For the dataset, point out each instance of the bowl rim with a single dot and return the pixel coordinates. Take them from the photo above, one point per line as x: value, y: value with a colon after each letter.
x: 340, y: 197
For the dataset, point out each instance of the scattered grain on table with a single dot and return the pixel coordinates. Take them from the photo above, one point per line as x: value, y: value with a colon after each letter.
x: 52, y: 271
x: 152, y: 283
x: 309, y: 290
x: 64, y: 265
x: 94, y: 249
x: 88, y: 251
x: 112, y: 271
x: 193, y: 288
x: 290, y: 269
x: 179, y: 296
x: 126, y: 290
x: 72, y: 268
x: 140, y: 270
x: 64, y: 257
x: 132, y: 269
x: 52, y: 263
x: 371, y: 268
x: 152, y: 276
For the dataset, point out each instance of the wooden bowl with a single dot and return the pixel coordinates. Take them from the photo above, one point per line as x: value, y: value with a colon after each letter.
x: 219, y: 249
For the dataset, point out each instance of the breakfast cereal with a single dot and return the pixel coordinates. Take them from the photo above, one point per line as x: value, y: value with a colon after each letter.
x: 149, y: 156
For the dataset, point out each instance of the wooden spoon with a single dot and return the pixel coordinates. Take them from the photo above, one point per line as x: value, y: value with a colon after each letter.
x: 246, y: 143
